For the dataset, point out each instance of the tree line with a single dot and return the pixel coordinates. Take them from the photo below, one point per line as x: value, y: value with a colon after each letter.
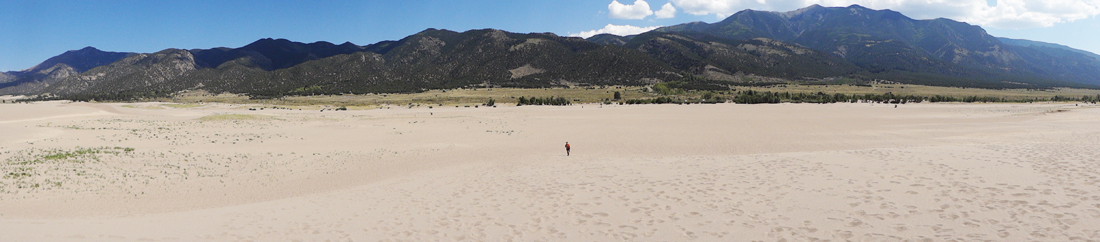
x: 752, y: 97
x: 554, y: 101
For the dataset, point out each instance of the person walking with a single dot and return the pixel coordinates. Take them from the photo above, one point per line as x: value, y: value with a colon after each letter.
x: 567, y: 148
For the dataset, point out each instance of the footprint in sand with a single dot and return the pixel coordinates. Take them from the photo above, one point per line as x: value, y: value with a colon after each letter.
x: 854, y: 223
x: 843, y: 234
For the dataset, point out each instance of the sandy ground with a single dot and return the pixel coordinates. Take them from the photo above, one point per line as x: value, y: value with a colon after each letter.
x: 795, y: 172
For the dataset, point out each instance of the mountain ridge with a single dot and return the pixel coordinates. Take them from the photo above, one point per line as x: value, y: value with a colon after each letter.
x: 431, y: 59
x: 56, y: 68
x: 839, y: 30
x: 811, y: 44
x: 1027, y: 43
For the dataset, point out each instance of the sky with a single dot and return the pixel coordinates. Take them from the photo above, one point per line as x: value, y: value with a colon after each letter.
x: 32, y: 31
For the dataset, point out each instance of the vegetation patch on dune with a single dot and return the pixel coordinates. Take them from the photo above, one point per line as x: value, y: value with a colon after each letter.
x: 142, y: 106
x: 78, y: 155
x: 182, y: 105
x: 48, y: 168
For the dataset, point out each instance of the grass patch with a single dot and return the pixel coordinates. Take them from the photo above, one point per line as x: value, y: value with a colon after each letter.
x: 143, y: 106
x: 182, y: 105
x: 23, y: 162
x: 45, y: 168
x: 61, y: 155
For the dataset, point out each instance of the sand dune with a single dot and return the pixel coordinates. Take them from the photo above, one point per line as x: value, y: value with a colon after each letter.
x: 795, y: 172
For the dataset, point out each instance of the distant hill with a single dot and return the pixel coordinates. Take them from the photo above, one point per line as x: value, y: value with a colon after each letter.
x: 892, y: 46
x: 134, y: 71
x: 609, y: 39
x: 81, y: 60
x: 728, y: 60
x: 1031, y: 43
x: 56, y: 68
x: 427, y: 60
x: 814, y: 44
x: 270, y: 54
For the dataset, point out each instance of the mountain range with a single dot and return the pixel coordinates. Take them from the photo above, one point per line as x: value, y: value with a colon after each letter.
x: 813, y: 44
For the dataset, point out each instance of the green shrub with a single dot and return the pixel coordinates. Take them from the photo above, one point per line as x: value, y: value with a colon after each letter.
x: 555, y: 101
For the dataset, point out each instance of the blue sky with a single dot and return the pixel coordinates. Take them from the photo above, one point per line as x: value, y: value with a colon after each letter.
x: 32, y: 31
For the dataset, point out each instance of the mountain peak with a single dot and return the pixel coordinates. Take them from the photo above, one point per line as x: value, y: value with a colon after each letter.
x: 88, y: 50
x: 270, y: 41
x: 280, y: 53
x: 811, y: 7
x: 807, y: 10
x: 81, y: 60
x: 428, y: 30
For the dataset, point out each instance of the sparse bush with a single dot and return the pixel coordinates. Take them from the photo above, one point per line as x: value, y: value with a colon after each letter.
x: 659, y: 100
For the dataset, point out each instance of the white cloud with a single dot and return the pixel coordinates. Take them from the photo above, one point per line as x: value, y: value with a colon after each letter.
x: 667, y: 11
x: 1005, y: 14
x: 620, y: 30
x: 638, y: 10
